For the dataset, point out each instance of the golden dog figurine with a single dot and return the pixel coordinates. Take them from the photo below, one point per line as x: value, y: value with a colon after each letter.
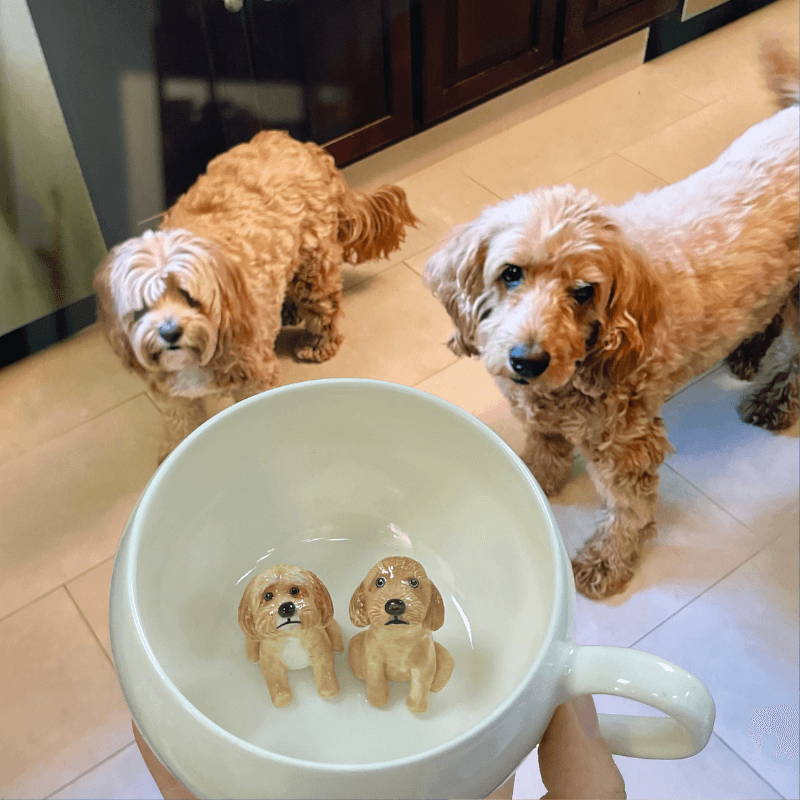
x: 401, y: 606
x: 286, y: 614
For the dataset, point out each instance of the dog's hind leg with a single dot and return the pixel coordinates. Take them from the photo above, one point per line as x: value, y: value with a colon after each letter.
x: 317, y: 291
x: 743, y: 362
x: 444, y: 668
x: 774, y: 402
x: 549, y: 458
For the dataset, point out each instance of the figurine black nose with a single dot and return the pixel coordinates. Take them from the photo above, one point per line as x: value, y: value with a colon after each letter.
x: 395, y: 607
x: 528, y: 364
x: 286, y: 610
x: 170, y: 331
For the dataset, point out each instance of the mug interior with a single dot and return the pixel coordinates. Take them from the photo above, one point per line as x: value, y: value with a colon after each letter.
x: 333, y: 476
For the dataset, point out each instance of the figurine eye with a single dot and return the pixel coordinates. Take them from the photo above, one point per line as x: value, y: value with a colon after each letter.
x: 413, y: 583
x: 294, y: 590
x: 139, y: 313
x: 583, y: 294
x: 380, y: 582
x: 268, y: 596
x: 511, y: 276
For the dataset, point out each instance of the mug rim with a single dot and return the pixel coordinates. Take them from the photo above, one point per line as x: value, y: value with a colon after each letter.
x: 133, y: 535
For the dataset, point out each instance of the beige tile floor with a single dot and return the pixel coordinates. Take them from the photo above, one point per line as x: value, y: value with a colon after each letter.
x: 718, y: 590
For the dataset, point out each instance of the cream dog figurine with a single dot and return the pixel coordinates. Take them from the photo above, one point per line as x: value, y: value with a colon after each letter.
x: 286, y: 613
x: 401, y: 606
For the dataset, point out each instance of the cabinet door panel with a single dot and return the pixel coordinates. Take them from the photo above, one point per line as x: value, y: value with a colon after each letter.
x: 473, y: 49
x: 589, y: 24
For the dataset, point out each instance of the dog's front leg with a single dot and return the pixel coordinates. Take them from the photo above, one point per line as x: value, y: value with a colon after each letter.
x: 377, y: 685
x: 182, y: 415
x: 321, y: 654
x: 625, y: 473
x: 423, y: 669
x: 276, y: 678
x: 549, y: 458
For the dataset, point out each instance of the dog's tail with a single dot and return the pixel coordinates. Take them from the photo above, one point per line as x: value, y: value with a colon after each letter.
x: 373, y: 225
x: 782, y: 70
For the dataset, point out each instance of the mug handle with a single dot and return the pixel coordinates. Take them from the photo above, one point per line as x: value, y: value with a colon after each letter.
x: 650, y: 680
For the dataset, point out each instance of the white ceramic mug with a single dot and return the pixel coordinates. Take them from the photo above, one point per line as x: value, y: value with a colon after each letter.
x: 334, y: 475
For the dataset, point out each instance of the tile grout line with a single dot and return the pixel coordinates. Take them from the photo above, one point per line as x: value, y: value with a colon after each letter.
x: 749, y: 766
x: 56, y: 588
x: 72, y: 428
x: 89, y: 626
x: 91, y: 769
x: 706, y: 590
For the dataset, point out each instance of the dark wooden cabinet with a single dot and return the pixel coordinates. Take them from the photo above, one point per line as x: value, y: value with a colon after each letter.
x: 472, y: 49
x: 335, y: 73
x: 589, y: 24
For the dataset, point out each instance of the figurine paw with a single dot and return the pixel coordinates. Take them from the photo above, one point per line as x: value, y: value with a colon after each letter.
x: 418, y: 706
x: 281, y: 699
x: 378, y: 699
x: 328, y: 690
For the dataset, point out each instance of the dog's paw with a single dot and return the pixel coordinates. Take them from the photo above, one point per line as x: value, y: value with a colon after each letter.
x: 378, y: 697
x: 596, y: 577
x: 281, y: 699
x: 417, y: 705
x: 328, y: 689
x: 321, y: 351
x: 775, y: 411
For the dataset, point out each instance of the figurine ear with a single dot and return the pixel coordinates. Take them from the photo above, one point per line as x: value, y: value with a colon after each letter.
x: 246, y: 617
x: 322, y: 600
x: 434, y: 619
x: 358, y: 607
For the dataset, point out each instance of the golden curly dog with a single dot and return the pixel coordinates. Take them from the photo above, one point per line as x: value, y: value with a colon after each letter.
x: 589, y: 316
x: 286, y: 614
x: 195, y: 308
x: 401, y: 605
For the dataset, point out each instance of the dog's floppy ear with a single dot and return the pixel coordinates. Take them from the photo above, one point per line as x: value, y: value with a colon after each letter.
x: 322, y: 598
x: 633, y: 304
x: 454, y: 274
x: 237, y: 314
x: 434, y: 619
x: 358, y: 606
x: 109, y: 319
x: 246, y: 610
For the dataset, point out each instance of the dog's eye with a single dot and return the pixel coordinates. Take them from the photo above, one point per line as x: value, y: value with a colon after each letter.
x: 583, y: 294
x: 413, y: 583
x: 189, y: 299
x: 294, y: 590
x: 268, y: 596
x: 511, y: 276
x: 380, y: 582
x: 139, y: 313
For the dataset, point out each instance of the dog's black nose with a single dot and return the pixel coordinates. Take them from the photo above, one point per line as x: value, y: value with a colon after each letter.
x: 170, y: 331
x: 286, y: 610
x: 395, y: 607
x: 528, y: 364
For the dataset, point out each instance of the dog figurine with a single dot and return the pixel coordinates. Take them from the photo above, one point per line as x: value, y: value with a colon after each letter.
x: 286, y: 614
x: 401, y: 606
x: 258, y: 240
x: 589, y: 316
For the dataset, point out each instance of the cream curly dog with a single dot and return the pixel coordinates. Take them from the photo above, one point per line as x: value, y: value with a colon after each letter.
x: 195, y: 308
x: 401, y: 606
x: 286, y: 614
x: 589, y: 316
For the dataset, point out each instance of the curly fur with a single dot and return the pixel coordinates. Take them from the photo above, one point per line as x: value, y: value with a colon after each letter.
x: 617, y: 307
x: 259, y: 237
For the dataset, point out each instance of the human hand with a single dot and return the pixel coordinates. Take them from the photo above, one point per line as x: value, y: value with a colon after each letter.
x: 575, y: 762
